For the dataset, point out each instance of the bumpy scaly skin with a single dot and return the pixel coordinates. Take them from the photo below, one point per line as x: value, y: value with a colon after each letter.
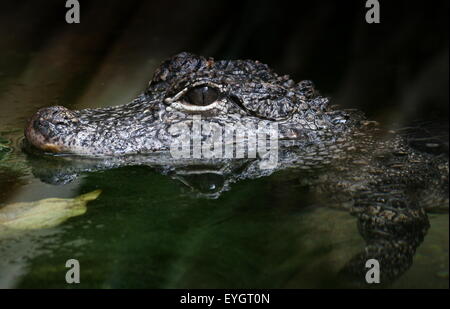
x: 248, y: 92
x: 349, y: 162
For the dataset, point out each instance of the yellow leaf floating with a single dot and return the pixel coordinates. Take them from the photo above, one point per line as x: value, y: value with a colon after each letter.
x: 44, y: 213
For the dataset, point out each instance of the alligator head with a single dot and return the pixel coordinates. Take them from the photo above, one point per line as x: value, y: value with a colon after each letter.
x: 229, y: 92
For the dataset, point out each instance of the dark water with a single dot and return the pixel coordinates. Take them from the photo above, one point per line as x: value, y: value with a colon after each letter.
x: 145, y: 229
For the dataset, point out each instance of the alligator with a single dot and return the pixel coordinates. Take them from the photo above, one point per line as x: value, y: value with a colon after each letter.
x: 377, y: 174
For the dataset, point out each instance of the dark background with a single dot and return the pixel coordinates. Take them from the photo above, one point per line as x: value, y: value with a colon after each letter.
x: 396, y: 71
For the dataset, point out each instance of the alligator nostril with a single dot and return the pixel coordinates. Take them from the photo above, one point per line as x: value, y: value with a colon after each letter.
x: 42, y: 126
x: 52, y: 121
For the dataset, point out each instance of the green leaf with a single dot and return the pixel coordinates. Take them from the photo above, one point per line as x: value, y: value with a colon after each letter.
x: 44, y: 213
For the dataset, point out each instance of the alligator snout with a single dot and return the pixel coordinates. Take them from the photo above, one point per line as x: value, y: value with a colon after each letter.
x: 46, y: 128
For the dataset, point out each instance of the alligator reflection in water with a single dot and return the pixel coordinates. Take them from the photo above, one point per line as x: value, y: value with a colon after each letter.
x: 388, y: 186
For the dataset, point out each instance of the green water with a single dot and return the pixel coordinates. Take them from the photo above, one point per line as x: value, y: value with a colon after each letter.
x: 146, y: 230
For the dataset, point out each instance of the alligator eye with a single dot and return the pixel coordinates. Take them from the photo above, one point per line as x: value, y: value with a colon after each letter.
x: 202, y: 95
